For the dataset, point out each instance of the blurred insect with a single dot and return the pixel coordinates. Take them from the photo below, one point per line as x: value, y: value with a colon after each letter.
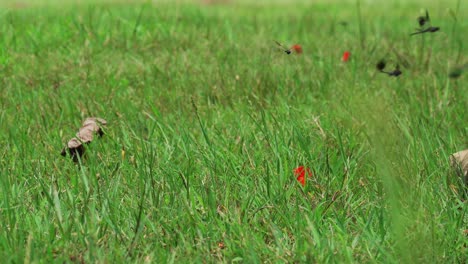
x: 457, y: 72
x: 381, y: 66
x: 343, y: 23
x: 425, y: 21
x: 283, y: 48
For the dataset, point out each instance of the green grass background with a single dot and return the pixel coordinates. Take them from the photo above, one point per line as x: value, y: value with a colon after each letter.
x: 207, y: 121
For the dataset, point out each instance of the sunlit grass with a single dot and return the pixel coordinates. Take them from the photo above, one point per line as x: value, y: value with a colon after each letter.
x: 207, y: 122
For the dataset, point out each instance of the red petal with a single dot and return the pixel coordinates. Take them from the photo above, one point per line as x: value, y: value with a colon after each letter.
x: 301, y: 180
x: 346, y: 55
x: 297, y: 48
x: 300, y: 173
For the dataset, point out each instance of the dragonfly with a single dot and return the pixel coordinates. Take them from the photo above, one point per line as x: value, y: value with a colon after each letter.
x: 381, y: 66
x: 286, y: 50
x: 425, y: 25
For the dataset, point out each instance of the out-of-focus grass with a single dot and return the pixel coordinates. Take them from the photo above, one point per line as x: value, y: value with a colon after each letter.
x: 207, y: 121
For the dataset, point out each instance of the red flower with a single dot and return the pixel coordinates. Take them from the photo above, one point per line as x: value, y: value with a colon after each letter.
x: 300, y: 173
x: 297, y: 48
x: 346, y: 55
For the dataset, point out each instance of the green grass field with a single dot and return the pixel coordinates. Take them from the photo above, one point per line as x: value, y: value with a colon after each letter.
x: 207, y: 121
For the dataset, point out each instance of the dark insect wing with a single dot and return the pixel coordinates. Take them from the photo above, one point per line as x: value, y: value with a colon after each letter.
x: 279, y: 44
x: 343, y: 23
x: 455, y: 73
x: 429, y: 29
x: 458, y: 71
x: 396, y: 72
x: 427, y: 16
x: 381, y: 66
x: 282, y: 47
x: 421, y: 31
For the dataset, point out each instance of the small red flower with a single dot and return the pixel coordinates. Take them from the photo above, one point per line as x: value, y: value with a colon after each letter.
x: 300, y: 173
x: 297, y: 48
x: 346, y: 55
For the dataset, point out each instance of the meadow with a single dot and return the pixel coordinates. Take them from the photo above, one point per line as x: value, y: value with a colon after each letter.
x: 207, y: 120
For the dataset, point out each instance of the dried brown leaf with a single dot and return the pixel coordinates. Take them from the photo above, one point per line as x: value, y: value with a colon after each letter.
x: 91, y: 126
x: 74, y: 143
x: 86, y: 133
x: 460, y: 163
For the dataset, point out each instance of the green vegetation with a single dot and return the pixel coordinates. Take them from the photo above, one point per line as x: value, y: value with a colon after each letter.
x: 207, y: 121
